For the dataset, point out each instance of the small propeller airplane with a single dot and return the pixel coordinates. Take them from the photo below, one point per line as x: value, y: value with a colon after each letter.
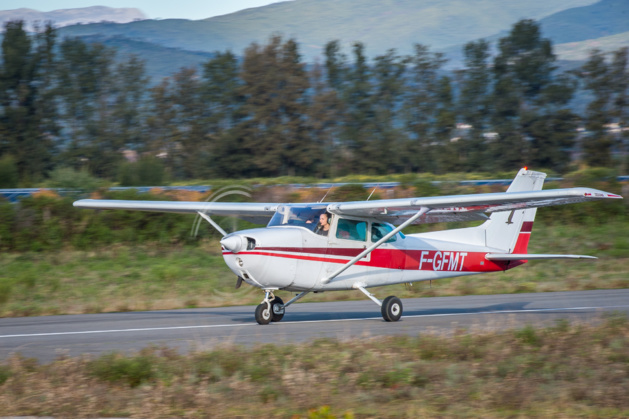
x: 360, y: 245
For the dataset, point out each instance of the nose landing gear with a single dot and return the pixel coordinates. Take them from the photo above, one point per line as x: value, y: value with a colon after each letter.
x: 270, y: 310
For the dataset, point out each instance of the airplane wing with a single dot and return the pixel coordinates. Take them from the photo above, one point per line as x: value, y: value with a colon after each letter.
x: 258, y: 213
x: 465, y: 207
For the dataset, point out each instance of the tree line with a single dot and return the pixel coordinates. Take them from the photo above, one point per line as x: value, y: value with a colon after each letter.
x: 68, y: 104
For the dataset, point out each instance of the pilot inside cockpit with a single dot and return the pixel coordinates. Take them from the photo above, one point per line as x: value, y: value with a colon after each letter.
x: 323, y: 227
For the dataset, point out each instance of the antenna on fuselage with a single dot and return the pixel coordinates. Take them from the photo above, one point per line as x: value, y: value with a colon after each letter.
x: 326, y: 194
x: 374, y: 189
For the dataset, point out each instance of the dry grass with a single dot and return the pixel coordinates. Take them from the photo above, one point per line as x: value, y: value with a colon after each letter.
x: 562, y: 371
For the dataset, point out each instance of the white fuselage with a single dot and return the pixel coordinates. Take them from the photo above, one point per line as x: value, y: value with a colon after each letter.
x: 297, y: 259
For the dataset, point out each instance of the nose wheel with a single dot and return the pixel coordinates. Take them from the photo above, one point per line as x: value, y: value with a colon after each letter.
x: 270, y: 310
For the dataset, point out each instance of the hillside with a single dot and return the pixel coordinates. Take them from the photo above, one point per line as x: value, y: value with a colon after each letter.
x: 379, y: 25
x: 160, y: 61
x: 65, y: 17
x: 608, y: 17
x: 580, y: 50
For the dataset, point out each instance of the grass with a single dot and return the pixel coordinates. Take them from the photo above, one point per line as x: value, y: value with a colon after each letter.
x: 567, y: 370
x: 152, y: 277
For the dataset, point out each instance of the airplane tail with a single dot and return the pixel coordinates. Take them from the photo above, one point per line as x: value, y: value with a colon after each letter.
x: 510, y: 231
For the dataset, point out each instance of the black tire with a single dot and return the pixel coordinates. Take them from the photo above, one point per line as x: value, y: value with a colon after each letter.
x: 392, y: 309
x: 277, y: 312
x: 263, y: 314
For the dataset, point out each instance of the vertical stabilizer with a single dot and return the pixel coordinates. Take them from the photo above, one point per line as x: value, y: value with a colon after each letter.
x: 509, y: 231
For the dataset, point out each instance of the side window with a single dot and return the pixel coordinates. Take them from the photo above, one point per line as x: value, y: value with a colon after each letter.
x: 379, y: 230
x: 351, y: 230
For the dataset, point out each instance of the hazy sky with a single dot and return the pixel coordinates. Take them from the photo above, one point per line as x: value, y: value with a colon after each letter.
x: 183, y: 9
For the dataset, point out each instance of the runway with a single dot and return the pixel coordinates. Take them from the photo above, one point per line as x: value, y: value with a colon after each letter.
x: 46, y: 338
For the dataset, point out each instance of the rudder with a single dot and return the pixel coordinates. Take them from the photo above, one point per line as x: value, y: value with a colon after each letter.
x: 509, y: 231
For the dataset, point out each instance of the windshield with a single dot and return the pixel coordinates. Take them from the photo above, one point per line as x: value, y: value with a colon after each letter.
x: 298, y: 215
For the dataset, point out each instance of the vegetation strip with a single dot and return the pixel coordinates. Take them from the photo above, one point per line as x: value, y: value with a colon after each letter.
x: 566, y: 370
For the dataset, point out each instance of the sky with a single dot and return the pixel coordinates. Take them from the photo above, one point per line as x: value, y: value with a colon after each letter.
x: 154, y: 9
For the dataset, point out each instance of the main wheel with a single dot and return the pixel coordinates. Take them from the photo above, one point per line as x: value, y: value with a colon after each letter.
x: 391, y: 309
x: 263, y: 314
x: 277, y: 309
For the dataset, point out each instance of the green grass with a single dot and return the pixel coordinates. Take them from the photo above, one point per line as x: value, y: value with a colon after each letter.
x: 162, y: 276
x: 566, y: 370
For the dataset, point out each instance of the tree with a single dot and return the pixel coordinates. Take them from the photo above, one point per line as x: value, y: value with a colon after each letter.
x: 160, y: 122
x: 86, y: 84
x: 274, y: 126
x: 324, y: 124
x: 27, y: 128
x: 192, y: 154
x: 386, y: 148
x: 620, y: 103
x: 597, y: 78
x: 221, y: 96
x: 358, y: 130
x: 129, y: 107
x: 529, y: 110
x: 420, y: 108
x: 474, y: 105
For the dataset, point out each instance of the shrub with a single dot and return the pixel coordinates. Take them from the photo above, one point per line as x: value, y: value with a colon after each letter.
x: 8, y: 172
x: 132, y: 371
x: 74, y: 180
x: 148, y: 171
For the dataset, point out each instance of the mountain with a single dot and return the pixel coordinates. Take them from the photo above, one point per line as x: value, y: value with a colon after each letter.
x: 444, y: 25
x: 65, y: 17
x: 605, y: 18
x: 579, y: 51
x: 160, y: 61
x: 379, y: 24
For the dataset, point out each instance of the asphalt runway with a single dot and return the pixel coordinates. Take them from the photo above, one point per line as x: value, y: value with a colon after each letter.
x: 46, y: 338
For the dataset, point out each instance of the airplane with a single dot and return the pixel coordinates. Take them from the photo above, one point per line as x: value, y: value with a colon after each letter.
x: 359, y: 245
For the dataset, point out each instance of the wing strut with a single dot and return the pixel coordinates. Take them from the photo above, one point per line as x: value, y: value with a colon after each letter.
x: 377, y: 244
x: 209, y: 220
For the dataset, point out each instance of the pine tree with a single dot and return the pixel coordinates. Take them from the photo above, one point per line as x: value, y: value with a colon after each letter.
x: 529, y: 110
x: 274, y: 128
x: 27, y: 129
x: 221, y: 86
x: 420, y: 109
x: 597, y: 78
x: 86, y: 84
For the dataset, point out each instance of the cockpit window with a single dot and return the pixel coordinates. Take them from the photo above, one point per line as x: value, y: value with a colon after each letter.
x: 351, y: 230
x: 379, y: 230
x: 298, y: 216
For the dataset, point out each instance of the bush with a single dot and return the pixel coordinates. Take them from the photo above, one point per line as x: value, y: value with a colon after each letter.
x: 74, y: 180
x: 115, y: 368
x: 148, y: 171
x: 8, y: 172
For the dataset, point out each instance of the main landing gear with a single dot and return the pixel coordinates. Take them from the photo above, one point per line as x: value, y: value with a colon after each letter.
x: 391, y: 307
x: 272, y: 308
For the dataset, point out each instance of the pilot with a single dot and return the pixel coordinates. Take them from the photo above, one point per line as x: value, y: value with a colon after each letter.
x: 324, y: 224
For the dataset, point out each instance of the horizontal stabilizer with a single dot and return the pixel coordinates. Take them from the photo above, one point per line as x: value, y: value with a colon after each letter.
x: 527, y: 256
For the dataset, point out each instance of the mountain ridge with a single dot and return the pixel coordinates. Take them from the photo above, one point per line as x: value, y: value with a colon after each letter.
x: 380, y: 25
x: 66, y: 17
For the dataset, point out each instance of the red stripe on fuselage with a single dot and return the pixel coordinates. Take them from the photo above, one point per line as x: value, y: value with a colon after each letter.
x: 425, y: 260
